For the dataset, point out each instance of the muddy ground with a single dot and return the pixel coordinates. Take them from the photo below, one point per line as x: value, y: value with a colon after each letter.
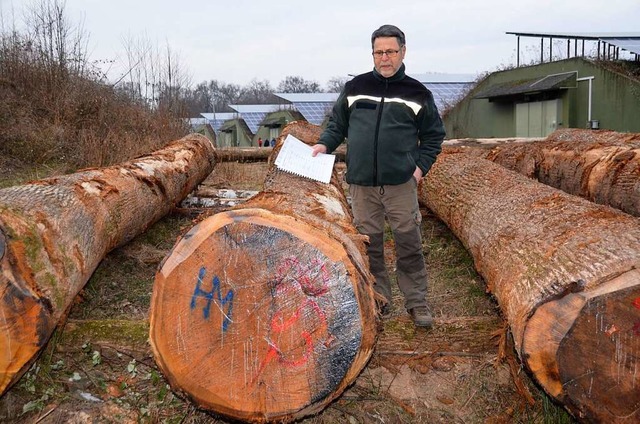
x: 98, y: 366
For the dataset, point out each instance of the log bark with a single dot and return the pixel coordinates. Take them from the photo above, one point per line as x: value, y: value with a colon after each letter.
x: 258, y: 154
x: 243, y: 154
x: 266, y: 312
x: 565, y: 272
x: 601, y: 166
x: 55, y: 232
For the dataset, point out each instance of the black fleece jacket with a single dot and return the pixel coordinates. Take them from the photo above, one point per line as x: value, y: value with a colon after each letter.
x: 392, y: 125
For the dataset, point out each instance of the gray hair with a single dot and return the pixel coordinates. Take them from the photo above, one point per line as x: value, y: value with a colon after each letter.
x: 388, y: 31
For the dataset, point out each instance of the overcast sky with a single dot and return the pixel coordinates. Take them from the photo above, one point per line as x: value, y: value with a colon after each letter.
x: 236, y: 41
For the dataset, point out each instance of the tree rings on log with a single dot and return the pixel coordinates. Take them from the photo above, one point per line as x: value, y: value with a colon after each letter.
x: 258, y: 316
x: 595, y: 344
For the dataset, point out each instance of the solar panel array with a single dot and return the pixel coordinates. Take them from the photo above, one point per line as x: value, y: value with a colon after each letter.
x: 447, y: 94
x: 314, y: 112
x: 194, y: 123
x: 630, y: 44
x: 217, y: 123
x: 217, y: 119
x: 253, y: 120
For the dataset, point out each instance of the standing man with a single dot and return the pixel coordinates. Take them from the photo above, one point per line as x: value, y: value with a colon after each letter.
x: 394, y: 134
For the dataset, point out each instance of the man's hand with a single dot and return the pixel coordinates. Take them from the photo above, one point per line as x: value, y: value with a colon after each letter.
x: 318, y: 148
x: 417, y: 174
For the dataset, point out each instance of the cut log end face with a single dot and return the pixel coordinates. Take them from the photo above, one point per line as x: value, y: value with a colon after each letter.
x: 600, y: 358
x: 253, y: 321
x: 25, y: 326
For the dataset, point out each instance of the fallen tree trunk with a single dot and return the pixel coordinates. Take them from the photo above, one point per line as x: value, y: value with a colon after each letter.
x: 266, y: 312
x: 259, y: 154
x: 55, y: 232
x: 565, y: 272
x: 243, y: 154
x: 601, y: 166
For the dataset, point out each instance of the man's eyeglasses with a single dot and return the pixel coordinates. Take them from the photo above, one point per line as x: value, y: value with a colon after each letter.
x: 390, y: 53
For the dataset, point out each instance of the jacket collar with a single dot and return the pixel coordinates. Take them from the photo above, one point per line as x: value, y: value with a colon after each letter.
x: 395, y: 77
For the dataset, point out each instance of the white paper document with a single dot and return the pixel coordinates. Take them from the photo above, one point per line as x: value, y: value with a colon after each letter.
x: 295, y: 157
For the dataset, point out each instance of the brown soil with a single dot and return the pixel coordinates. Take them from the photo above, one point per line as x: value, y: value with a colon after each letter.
x: 98, y: 368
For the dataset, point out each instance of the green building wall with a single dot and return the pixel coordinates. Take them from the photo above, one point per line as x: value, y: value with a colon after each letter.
x: 275, y: 121
x: 234, y: 133
x: 615, y: 101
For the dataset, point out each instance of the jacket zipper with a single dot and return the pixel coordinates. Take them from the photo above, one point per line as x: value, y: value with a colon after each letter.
x: 375, y: 140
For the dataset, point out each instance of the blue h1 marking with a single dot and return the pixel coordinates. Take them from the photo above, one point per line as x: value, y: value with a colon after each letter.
x: 215, y: 289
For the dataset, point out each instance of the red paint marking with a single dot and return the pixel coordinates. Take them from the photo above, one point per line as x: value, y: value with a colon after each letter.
x: 636, y: 303
x: 310, y: 281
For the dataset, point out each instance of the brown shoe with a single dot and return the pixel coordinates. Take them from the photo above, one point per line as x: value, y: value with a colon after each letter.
x: 421, y: 316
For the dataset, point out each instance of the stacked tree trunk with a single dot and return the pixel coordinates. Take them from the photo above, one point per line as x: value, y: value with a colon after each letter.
x: 266, y: 312
x: 258, y: 154
x: 601, y: 166
x: 566, y: 273
x: 55, y: 232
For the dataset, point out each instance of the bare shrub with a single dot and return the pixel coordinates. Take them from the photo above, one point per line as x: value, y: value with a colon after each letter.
x: 55, y: 107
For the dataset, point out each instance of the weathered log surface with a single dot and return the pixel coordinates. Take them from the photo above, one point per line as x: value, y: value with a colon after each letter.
x: 266, y: 312
x: 55, y: 232
x: 565, y: 272
x: 243, y: 154
x: 260, y: 154
x: 601, y: 166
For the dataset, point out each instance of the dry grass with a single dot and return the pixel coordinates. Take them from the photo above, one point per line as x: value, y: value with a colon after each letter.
x: 58, y: 112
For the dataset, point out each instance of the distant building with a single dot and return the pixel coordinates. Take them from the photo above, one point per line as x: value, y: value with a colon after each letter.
x: 447, y: 89
x: 249, y: 122
x: 217, y: 119
x: 314, y: 107
x: 273, y: 122
x: 573, y: 92
x: 202, y: 126
x: 235, y: 133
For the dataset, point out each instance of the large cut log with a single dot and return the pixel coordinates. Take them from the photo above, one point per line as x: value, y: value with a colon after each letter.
x: 266, y: 312
x: 601, y: 166
x: 565, y: 272
x: 55, y: 232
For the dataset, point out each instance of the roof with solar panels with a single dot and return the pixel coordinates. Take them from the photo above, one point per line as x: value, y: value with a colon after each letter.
x: 447, y: 89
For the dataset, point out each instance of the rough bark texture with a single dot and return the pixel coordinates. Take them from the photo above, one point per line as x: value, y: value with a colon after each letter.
x: 244, y: 154
x: 601, y: 166
x: 55, y: 232
x: 565, y: 273
x: 260, y: 154
x: 266, y: 312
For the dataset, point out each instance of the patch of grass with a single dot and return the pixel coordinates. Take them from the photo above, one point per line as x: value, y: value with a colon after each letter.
x: 117, y: 332
x: 239, y: 176
x: 14, y: 172
x: 122, y: 285
x: 163, y: 234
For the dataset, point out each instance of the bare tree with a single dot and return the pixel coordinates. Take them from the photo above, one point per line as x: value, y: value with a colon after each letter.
x: 336, y: 84
x: 154, y: 77
x: 60, y: 48
x: 224, y: 95
x: 296, y: 84
x: 257, y: 92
